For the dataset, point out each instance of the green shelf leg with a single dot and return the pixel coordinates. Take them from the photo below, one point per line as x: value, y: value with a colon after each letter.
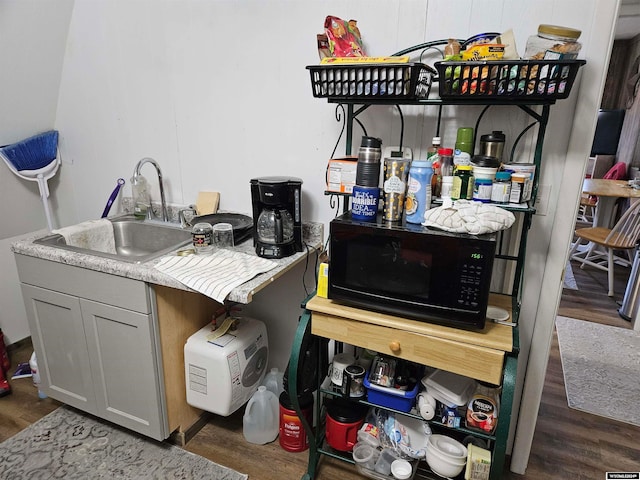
x: 504, y: 418
x: 294, y: 364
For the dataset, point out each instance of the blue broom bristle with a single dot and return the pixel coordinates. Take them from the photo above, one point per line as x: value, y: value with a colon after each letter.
x: 33, y: 153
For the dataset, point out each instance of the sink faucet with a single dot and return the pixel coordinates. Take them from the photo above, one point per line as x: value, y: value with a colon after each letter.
x: 136, y: 173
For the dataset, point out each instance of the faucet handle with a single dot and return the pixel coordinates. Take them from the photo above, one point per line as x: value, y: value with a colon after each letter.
x: 184, y: 223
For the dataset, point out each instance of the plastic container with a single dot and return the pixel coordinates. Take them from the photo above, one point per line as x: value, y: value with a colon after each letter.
x: 553, y: 43
x: 342, y: 422
x: 419, y: 191
x: 386, y: 458
x: 446, y: 161
x: 518, y: 188
x: 260, y: 423
x: 274, y: 381
x: 365, y: 455
x: 292, y: 435
x: 462, y: 187
x: 483, y: 408
x: 501, y: 188
x: 528, y: 168
x: 482, y: 190
x: 401, y: 400
x: 485, y: 167
x: 445, y: 188
x: 35, y: 374
x: 449, y: 388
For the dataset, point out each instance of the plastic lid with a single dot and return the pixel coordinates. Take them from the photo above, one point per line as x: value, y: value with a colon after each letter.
x: 485, y: 161
x: 503, y: 175
x: 484, y: 181
x: 445, y: 151
x: 305, y: 400
x: 495, y: 136
x: 371, y: 142
x: 422, y: 163
x: 464, y: 167
x: 558, y: 31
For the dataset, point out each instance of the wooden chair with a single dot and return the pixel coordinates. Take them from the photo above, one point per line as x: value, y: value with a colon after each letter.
x: 603, y: 242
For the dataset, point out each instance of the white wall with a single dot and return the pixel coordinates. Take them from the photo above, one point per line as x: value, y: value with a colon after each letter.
x: 32, y: 43
x: 217, y: 92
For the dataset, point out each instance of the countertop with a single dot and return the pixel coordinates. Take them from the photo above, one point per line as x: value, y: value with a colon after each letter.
x: 312, y: 233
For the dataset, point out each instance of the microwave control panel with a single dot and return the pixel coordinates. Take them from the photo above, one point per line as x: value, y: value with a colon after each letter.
x: 471, y: 279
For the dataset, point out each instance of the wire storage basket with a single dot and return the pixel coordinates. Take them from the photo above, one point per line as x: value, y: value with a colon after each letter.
x: 530, y: 79
x: 372, y: 81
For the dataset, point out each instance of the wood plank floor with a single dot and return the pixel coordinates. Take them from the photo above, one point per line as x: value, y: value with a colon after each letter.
x: 567, y: 443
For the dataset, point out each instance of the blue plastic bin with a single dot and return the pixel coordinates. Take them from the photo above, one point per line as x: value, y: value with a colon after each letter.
x: 401, y: 400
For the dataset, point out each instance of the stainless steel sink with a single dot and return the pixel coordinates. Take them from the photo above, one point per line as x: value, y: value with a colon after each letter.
x: 137, y: 241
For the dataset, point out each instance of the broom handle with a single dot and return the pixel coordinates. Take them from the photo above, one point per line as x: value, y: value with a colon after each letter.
x: 44, y: 194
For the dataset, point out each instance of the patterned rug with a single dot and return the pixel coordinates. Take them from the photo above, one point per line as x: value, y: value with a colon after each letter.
x: 67, y: 444
x: 601, y: 368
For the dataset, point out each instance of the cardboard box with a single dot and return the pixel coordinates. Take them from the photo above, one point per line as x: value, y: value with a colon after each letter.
x: 341, y: 174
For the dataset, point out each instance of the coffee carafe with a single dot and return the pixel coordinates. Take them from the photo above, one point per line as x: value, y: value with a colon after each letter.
x: 276, y: 216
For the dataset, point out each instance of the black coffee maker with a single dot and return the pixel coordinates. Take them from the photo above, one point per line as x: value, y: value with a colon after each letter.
x: 277, y: 224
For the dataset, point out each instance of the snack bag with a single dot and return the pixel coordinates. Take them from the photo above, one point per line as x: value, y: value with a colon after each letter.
x: 344, y: 37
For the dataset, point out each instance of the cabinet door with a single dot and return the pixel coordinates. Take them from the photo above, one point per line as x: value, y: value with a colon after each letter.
x: 57, y: 332
x: 124, y: 364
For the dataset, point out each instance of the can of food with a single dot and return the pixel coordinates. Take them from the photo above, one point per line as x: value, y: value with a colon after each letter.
x: 396, y: 171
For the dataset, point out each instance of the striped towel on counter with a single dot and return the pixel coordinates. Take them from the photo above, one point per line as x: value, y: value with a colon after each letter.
x: 217, y: 274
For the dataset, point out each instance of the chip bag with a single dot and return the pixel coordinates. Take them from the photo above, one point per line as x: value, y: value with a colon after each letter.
x: 344, y: 37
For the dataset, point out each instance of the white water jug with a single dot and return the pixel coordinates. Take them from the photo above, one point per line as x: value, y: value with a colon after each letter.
x: 260, y: 421
x: 274, y: 381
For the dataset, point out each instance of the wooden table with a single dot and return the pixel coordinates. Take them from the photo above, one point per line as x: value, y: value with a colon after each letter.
x: 607, y: 191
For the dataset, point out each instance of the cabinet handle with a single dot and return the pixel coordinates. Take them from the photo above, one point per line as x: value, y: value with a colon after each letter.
x: 394, y: 346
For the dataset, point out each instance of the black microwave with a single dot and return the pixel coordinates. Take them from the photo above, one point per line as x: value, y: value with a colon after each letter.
x: 411, y: 271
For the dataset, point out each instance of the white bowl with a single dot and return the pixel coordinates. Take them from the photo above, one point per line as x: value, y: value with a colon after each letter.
x: 443, y: 466
x: 448, y: 447
x: 401, y: 469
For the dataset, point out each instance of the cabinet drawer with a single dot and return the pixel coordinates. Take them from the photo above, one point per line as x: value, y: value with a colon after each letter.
x: 81, y: 282
x: 472, y: 361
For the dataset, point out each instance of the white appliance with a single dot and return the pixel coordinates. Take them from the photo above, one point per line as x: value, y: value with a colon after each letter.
x: 222, y: 374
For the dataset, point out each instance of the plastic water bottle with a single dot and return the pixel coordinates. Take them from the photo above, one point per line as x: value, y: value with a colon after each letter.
x: 260, y: 423
x: 35, y: 374
x: 419, y: 190
x: 274, y: 381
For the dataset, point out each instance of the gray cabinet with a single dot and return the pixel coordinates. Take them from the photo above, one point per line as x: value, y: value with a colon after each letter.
x: 97, y: 342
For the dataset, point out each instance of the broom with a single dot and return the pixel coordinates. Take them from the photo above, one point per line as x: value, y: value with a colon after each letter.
x: 35, y: 159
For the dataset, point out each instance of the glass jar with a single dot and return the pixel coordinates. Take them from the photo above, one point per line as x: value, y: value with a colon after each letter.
x: 553, y: 43
x: 201, y: 235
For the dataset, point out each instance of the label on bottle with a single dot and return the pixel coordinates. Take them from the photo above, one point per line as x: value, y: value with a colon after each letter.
x: 461, y: 158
